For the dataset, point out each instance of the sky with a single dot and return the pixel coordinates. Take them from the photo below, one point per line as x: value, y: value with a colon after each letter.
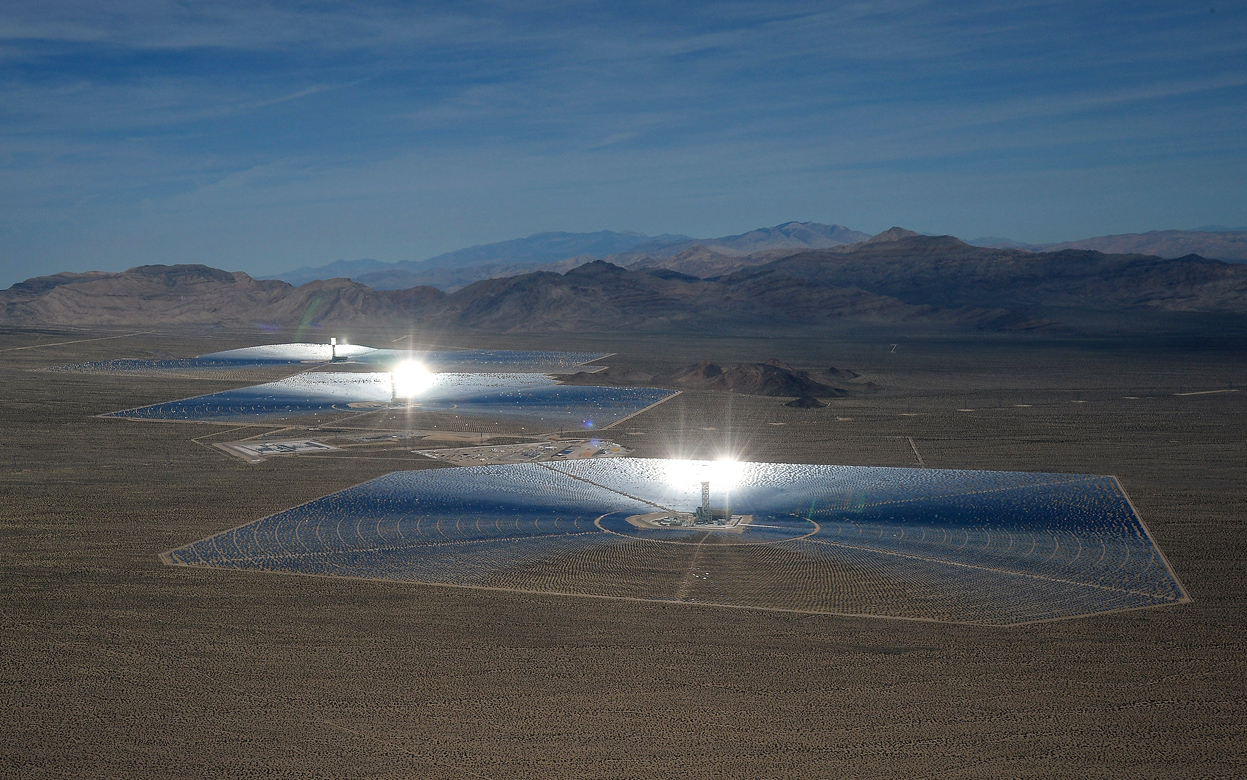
x: 267, y: 136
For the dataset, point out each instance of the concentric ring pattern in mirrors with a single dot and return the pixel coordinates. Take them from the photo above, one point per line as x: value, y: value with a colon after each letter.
x: 985, y: 547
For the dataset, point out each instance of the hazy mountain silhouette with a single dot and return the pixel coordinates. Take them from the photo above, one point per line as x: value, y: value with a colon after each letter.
x: 1212, y: 241
x: 453, y: 270
x: 450, y: 268
x: 790, y: 235
x: 1222, y: 244
x: 891, y: 234
x: 342, y: 269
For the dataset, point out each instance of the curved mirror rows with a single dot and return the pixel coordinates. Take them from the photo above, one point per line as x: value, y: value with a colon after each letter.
x: 968, y: 546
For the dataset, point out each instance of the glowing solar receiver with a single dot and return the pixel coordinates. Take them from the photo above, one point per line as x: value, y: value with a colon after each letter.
x: 411, y: 379
x: 724, y: 474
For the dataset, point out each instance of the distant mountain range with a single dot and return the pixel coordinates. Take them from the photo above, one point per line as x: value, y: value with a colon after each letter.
x: 1214, y: 241
x: 479, y: 262
x: 707, y: 257
x: 563, y: 251
x: 898, y: 278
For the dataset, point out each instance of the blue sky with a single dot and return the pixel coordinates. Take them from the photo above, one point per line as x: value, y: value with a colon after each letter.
x: 264, y: 136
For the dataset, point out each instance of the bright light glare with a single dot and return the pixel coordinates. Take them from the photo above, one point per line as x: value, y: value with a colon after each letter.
x: 722, y: 474
x: 411, y: 379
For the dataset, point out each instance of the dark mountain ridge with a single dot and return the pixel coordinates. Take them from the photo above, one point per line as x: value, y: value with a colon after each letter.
x: 944, y: 271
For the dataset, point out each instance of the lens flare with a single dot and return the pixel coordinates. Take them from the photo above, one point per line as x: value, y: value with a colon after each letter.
x: 411, y: 379
x: 722, y: 474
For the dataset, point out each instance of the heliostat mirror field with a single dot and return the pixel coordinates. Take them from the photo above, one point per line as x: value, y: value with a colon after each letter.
x: 986, y: 547
x: 512, y: 385
x: 276, y: 355
x: 523, y: 397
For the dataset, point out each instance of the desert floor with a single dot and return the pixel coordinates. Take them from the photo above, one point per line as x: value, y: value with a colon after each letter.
x: 115, y: 665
